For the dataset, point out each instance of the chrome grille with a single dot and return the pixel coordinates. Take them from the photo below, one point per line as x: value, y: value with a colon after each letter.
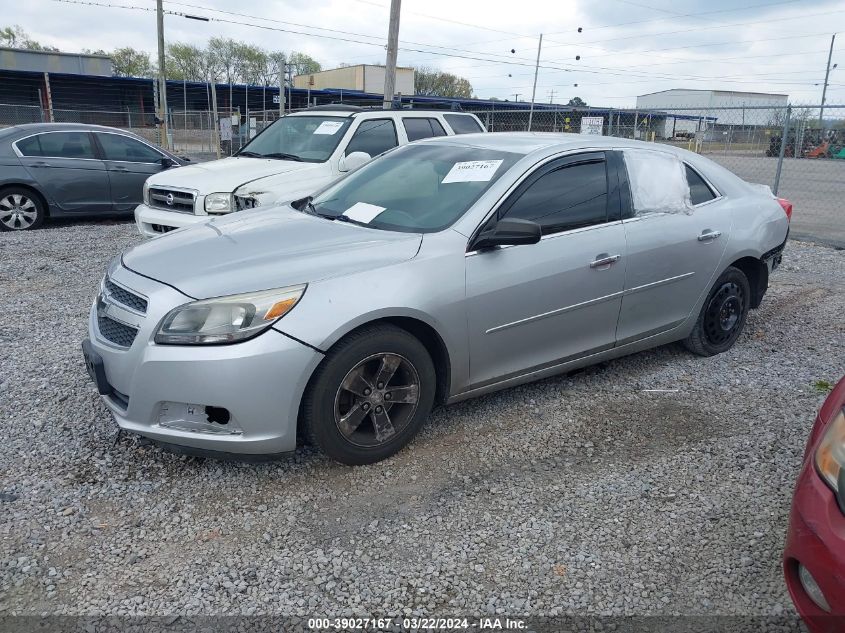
x: 129, y: 299
x: 172, y: 199
x: 116, y: 332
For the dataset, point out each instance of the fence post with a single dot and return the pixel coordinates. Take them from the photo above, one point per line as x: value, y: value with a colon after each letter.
x: 49, y: 98
x: 785, y: 133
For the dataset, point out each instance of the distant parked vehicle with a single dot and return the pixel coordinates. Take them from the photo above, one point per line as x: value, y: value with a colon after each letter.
x: 72, y: 170
x: 814, y: 560
x: 292, y: 158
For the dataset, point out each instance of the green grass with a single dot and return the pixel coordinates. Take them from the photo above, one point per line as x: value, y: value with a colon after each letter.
x: 823, y: 386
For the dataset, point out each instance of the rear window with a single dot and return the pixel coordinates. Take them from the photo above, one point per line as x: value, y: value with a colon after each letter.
x: 417, y: 128
x: 699, y: 191
x: 58, y: 145
x: 463, y: 123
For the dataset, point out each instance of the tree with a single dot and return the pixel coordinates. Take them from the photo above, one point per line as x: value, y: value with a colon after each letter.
x: 128, y: 62
x: 16, y: 37
x: 186, y: 61
x: 302, y: 64
x: 577, y: 102
x: 432, y: 82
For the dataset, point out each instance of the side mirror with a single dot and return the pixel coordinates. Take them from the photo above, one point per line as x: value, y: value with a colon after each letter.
x: 187, y: 159
x: 353, y: 161
x: 508, y: 232
x: 167, y: 162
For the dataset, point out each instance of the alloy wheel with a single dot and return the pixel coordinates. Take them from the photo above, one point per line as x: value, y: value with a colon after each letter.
x: 724, y: 313
x: 377, y: 399
x: 17, y: 211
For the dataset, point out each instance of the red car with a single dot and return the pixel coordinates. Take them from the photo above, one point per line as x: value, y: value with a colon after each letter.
x: 814, y: 560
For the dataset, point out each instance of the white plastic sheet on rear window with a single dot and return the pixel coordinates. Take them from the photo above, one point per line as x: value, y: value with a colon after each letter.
x: 658, y: 182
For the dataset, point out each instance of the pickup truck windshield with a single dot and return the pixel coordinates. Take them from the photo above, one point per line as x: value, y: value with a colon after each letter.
x: 413, y: 189
x: 307, y: 138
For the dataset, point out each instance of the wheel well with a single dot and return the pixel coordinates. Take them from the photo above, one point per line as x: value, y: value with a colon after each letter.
x: 433, y: 344
x: 436, y: 348
x: 33, y: 191
x: 758, y: 277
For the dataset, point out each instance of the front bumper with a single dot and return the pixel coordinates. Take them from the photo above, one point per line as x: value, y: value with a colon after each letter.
x: 816, y: 540
x: 163, y: 391
x: 153, y: 222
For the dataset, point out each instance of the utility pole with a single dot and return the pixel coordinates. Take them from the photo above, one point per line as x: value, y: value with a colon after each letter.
x: 826, y: 75
x: 552, y: 95
x: 392, y: 51
x: 534, y: 90
x: 516, y: 96
x: 162, y: 82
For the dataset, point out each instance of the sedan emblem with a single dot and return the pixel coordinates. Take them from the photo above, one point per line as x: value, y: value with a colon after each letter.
x: 169, y: 199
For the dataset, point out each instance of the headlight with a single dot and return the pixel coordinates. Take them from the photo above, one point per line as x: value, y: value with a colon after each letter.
x: 219, y: 203
x: 227, y: 319
x: 830, y: 456
x: 146, y: 196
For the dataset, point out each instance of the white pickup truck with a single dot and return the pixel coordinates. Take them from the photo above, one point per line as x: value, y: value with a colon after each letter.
x: 292, y: 158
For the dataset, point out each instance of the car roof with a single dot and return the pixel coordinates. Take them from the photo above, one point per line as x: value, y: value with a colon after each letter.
x: 67, y: 127
x: 546, y: 142
x: 376, y: 113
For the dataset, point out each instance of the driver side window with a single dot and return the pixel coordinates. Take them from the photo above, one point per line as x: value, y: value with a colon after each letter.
x: 568, y: 197
x: 374, y: 136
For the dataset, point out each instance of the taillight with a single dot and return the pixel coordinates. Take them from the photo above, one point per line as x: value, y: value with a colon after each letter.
x: 786, y: 205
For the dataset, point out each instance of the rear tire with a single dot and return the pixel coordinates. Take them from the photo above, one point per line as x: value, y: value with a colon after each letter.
x: 722, y: 316
x: 370, y: 395
x: 21, y: 209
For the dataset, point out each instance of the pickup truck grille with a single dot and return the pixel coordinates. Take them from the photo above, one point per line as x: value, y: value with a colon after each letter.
x: 172, y: 199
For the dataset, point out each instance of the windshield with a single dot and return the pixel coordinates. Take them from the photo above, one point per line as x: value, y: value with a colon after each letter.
x: 307, y: 138
x: 415, y: 189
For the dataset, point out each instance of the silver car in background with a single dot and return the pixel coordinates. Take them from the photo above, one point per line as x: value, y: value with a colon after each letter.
x: 440, y: 271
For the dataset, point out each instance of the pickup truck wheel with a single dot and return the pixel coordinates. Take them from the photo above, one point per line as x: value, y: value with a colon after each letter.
x: 370, y: 395
x: 20, y: 209
x: 722, y: 316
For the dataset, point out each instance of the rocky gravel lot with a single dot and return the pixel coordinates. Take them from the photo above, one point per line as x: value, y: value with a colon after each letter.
x: 655, y: 484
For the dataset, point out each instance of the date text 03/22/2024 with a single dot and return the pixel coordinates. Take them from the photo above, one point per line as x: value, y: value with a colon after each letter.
x: 417, y: 624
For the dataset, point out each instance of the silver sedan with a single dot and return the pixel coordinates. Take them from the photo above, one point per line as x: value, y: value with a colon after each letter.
x: 440, y: 271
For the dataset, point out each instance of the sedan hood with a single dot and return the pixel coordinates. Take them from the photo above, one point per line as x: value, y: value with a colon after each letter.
x: 227, y: 174
x: 260, y: 250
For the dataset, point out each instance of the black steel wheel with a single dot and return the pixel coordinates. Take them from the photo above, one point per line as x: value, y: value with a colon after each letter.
x: 722, y: 316
x: 370, y: 395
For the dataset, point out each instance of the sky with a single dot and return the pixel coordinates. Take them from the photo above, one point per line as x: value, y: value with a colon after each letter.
x: 626, y: 47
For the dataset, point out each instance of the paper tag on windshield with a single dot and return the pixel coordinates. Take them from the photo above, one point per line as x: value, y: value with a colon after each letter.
x: 328, y: 127
x: 472, y: 171
x: 363, y: 212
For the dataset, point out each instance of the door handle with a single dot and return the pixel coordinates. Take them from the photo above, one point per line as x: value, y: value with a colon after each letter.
x: 708, y: 235
x: 604, y: 260
x: 40, y: 163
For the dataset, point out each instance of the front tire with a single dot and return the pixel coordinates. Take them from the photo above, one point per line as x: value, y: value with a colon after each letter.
x: 722, y: 316
x: 370, y: 395
x: 20, y: 209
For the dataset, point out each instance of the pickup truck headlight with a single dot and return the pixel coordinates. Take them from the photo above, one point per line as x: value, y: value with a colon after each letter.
x: 219, y: 203
x: 146, y: 196
x: 830, y: 457
x: 227, y: 319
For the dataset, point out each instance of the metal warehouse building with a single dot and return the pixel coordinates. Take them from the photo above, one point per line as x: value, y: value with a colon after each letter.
x: 741, y: 109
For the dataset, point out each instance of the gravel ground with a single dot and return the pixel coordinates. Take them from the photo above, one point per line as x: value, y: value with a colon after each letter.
x: 584, y: 494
